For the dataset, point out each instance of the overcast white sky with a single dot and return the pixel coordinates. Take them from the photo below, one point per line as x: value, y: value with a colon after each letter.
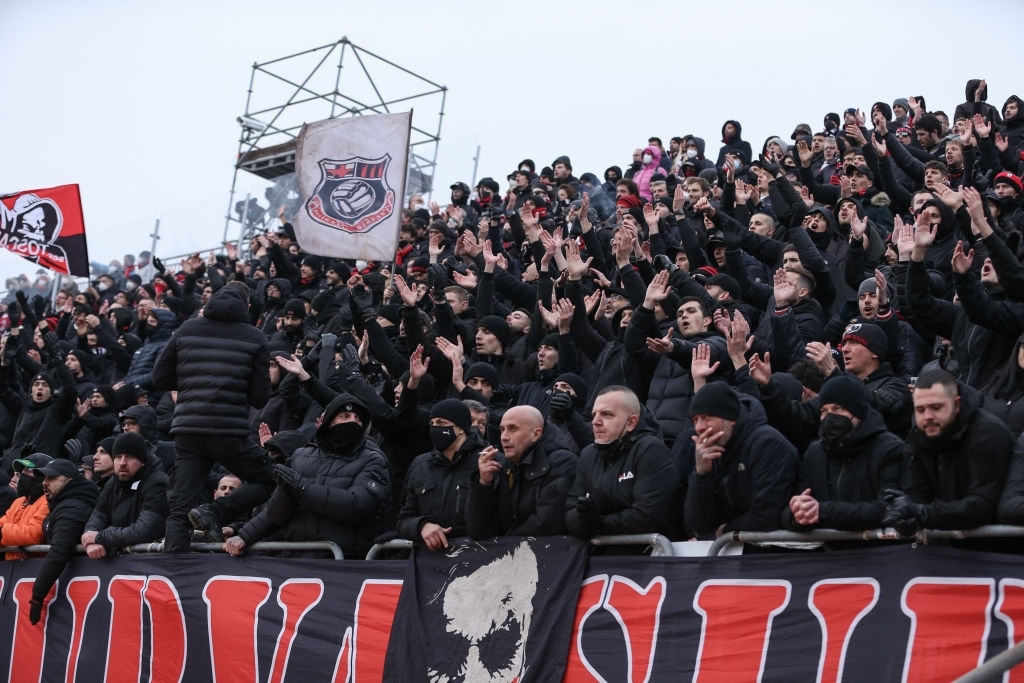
x: 137, y: 102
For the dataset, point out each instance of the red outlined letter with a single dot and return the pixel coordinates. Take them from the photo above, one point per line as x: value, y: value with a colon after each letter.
x: 233, y: 604
x: 727, y: 653
x: 934, y: 650
x: 638, y: 611
x: 839, y: 605
x: 296, y: 597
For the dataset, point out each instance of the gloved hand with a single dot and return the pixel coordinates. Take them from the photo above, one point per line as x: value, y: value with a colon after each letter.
x: 561, y: 405
x: 35, y: 611
x: 663, y: 262
x: 902, y: 513
x: 362, y: 298
x: 29, y: 321
x: 40, y: 304
x: 590, y: 517
x: 437, y: 277
x: 291, y: 479
x: 773, y: 168
x: 73, y: 449
x: 159, y: 265
x: 14, y: 313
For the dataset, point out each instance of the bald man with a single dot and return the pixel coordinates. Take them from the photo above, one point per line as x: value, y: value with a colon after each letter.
x: 520, y: 490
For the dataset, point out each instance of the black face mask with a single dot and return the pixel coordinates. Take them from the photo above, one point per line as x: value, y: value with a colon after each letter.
x: 833, y: 430
x: 442, y: 437
x: 273, y: 300
x: 29, y: 486
x: 340, y: 438
x: 402, y: 244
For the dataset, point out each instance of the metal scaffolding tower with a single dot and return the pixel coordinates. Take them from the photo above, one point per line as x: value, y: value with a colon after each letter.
x: 311, y: 86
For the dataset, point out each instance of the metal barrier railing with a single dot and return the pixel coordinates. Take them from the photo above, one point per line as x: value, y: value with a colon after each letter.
x: 660, y: 546
x: 826, y: 535
x: 992, y: 670
x: 158, y: 547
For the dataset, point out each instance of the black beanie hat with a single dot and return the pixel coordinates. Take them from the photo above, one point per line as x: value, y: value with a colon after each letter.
x: 107, y: 393
x: 295, y: 307
x: 83, y: 357
x: 497, y: 326
x: 43, y: 376
x: 341, y: 268
x: 484, y: 371
x: 578, y: 384
x: 549, y: 339
x: 716, y: 399
x: 846, y: 391
x: 870, y: 335
x: 107, y: 444
x: 454, y: 410
x: 313, y: 262
x: 130, y: 443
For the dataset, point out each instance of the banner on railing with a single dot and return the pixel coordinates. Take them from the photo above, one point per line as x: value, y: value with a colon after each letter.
x: 900, y: 613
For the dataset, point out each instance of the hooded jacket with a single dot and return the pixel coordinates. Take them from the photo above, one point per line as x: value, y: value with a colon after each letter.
x: 648, y: 171
x: 849, y: 479
x: 70, y: 509
x: 342, y: 497
x: 219, y: 364
x: 734, y: 144
x: 133, y: 511
x: 145, y: 358
x: 632, y: 483
x: 751, y: 483
x: 958, y: 475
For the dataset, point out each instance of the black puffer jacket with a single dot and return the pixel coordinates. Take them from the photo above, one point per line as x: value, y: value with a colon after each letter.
x: 437, y: 490
x: 342, y: 496
x: 132, y: 511
x: 849, y: 480
x: 219, y: 364
x: 632, y: 484
x: 69, y: 511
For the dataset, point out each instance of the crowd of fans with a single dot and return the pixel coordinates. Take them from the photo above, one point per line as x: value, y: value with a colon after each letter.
x: 825, y: 333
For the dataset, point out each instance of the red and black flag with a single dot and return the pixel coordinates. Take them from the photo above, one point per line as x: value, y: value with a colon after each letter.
x: 46, y: 227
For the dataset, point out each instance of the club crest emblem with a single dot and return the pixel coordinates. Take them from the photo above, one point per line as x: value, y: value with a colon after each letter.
x: 353, y: 194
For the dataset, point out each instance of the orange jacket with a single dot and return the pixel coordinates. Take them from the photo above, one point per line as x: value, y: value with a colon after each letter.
x: 23, y: 525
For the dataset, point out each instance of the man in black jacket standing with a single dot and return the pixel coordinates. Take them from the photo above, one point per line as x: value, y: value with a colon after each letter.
x: 72, y: 498
x: 132, y: 507
x: 219, y: 363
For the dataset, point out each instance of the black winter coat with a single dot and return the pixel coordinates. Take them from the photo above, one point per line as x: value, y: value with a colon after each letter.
x: 632, y: 484
x: 341, y: 500
x: 525, y: 499
x: 849, y: 481
x: 133, y: 511
x: 437, y: 490
x: 220, y: 365
x: 750, y: 484
x: 69, y: 511
x: 959, y: 474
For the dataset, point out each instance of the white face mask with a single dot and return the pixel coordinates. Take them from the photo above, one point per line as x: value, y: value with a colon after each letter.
x: 691, y: 153
x: 130, y: 285
x: 102, y: 286
x: 647, y: 158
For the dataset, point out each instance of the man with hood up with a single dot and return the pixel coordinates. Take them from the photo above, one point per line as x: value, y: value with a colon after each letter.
x: 132, y: 507
x: 334, y: 490
x: 219, y: 364
x: 732, y: 142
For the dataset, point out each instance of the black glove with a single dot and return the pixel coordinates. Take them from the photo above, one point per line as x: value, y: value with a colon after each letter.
x: 561, y: 405
x: 35, y: 611
x: 773, y: 168
x: 73, y: 448
x: 437, y: 278
x: 14, y: 313
x: 289, y: 478
x: 40, y: 304
x: 902, y: 513
x: 663, y: 262
x: 362, y: 298
x: 30, y: 321
x: 589, y: 516
x: 159, y: 265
